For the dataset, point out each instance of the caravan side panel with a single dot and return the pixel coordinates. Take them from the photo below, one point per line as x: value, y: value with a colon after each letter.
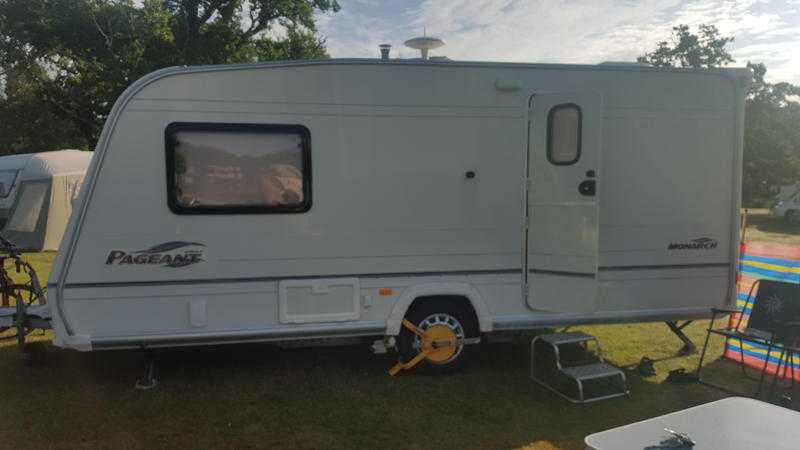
x: 392, y: 207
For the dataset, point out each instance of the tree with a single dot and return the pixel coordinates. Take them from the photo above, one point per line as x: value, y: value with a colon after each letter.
x: 72, y: 58
x: 25, y: 125
x: 703, y: 50
x: 771, y: 138
x: 771, y: 134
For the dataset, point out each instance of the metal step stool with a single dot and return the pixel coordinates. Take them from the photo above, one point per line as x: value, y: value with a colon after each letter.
x: 599, y: 370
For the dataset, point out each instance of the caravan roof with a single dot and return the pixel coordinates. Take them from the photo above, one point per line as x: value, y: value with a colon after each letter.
x: 11, y: 162
x: 48, y: 164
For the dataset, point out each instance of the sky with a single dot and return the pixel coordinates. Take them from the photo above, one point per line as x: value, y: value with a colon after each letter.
x: 565, y: 31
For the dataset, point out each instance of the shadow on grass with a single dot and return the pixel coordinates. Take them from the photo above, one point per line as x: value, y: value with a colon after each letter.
x: 258, y: 396
x: 729, y: 376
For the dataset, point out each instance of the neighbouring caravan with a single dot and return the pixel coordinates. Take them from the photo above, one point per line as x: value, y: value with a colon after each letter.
x: 10, y: 167
x: 334, y: 199
x: 46, y: 190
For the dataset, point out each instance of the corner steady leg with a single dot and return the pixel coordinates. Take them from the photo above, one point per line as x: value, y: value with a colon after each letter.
x: 148, y: 381
x: 688, y: 346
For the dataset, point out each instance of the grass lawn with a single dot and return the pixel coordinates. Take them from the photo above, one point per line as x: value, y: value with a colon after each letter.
x: 260, y: 396
x: 763, y: 227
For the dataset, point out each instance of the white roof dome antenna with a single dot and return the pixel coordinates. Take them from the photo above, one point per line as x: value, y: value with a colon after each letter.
x: 423, y: 44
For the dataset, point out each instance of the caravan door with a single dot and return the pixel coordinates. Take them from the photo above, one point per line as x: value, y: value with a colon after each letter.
x: 561, y: 207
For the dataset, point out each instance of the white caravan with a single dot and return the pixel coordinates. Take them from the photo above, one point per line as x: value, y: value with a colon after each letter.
x: 332, y: 199
x: 10, y: 167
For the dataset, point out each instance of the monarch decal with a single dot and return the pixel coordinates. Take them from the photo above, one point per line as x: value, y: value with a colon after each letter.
x: 703, y: 243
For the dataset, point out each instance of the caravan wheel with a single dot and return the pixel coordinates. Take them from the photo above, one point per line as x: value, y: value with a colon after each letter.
x: 444, y: 321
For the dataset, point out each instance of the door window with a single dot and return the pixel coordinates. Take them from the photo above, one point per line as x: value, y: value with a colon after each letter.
x: 564, y: 134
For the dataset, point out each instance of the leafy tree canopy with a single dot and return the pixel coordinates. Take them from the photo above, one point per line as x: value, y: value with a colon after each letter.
x: 686, y: 49
x: 63, y: 63
x: 772, y: 115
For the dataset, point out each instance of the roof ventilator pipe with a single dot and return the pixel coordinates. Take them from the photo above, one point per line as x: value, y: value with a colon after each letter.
x: 385, y: 48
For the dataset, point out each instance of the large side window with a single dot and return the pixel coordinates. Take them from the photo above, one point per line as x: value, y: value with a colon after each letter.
x: 238, y: 168
x: 564, y: 134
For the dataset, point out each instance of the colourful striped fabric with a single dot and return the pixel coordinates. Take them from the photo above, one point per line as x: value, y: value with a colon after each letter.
x: 761, y: 260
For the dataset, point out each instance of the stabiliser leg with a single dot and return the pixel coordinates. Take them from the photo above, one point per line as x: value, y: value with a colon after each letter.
x: 148, y: 381
x: 688, y: 346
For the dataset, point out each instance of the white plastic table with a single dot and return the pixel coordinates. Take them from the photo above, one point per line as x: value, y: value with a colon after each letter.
x: 734, y: 423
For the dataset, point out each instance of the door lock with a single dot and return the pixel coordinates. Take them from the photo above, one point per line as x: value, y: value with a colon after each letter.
x: 587, y: 188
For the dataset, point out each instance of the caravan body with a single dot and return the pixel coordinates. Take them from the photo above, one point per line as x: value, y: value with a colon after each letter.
x: 10, y: 167
x: 292, y: 201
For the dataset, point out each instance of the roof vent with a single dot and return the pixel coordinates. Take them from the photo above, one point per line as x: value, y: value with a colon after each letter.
x: 423, y: 44
x: 385, y: 48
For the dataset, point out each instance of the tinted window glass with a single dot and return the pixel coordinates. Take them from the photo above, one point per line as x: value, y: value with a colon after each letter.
x: 28, y: 207
x: 238, y: 168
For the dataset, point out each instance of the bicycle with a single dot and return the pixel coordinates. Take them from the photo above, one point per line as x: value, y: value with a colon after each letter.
x: 24, y: 295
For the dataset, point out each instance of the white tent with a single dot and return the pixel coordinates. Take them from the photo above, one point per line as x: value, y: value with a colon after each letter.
x: 48, y: 187
x: 788, y: 191
x: 10, y: 167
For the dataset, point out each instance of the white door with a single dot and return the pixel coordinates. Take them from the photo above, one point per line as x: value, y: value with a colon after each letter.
x: 560, y: 262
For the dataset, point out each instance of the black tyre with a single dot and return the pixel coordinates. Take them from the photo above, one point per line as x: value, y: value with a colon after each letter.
x: 442, y: 315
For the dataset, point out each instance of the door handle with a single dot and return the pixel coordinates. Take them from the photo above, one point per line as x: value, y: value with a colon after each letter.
x: 587, y: 188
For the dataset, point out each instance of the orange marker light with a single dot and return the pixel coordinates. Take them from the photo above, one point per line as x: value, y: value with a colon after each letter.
x: 385, y: 291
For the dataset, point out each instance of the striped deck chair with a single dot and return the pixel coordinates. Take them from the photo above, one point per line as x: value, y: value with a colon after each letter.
x: 774, y: 320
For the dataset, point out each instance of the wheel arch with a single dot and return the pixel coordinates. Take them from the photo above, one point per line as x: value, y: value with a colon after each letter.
x: 433, y: 290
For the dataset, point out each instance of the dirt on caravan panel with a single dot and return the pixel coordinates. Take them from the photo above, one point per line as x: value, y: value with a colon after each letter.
x: 470, y: 196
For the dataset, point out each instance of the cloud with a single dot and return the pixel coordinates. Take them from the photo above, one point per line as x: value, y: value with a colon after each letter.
x: 543, y: 30
x: 570, y: 31
x: 361, y: 25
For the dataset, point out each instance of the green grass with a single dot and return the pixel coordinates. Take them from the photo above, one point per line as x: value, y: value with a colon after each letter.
x: 763, y: 227
x: 259, y: 396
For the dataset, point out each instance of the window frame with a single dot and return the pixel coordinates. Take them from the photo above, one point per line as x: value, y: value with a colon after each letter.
x: 169, y: 145
x: 550, y: 115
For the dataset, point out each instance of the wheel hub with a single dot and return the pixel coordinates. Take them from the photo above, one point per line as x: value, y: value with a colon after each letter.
x: 443, y: 338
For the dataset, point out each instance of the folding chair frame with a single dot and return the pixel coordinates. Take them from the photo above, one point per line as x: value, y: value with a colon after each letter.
x: 734, y: 333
